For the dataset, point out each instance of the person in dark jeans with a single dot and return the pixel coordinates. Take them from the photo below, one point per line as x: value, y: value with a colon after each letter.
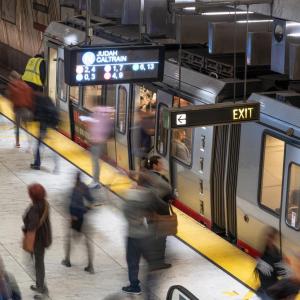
x: 137, y: 208
x: 78, y: 209
x: 37, y: 219
x: 48, y: 117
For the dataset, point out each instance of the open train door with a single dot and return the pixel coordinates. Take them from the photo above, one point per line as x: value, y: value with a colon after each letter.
x: 290, y: 207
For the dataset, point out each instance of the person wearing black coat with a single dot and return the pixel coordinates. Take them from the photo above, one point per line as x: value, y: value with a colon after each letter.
x: 37, y: 218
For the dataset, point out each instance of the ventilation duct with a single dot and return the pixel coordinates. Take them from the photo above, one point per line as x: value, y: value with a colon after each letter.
x: 221, y: 36
x: 109, y: 8
x: 259, y: 46
x: 283, y: 34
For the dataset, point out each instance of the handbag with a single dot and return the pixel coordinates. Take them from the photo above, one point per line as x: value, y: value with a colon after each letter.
x: 166, y: 224
x: 29, y: 236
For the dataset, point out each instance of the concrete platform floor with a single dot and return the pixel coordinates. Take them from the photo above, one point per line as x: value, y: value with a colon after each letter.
x: 107, y: 233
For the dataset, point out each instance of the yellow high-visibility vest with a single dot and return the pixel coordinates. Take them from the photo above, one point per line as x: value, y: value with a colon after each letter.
x: 32, y: 71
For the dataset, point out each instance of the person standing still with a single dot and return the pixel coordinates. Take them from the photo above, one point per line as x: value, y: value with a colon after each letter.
x: 37, y: 218
x: 100, y: 126
x: 21, y: 96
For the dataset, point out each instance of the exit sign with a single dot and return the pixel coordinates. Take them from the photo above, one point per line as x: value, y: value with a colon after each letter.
x: 214, y: 114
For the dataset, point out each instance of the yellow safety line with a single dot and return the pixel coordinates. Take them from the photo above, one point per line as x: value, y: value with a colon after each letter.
x: 222, y: 253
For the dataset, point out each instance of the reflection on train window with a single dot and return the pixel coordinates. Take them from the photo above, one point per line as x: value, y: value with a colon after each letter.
x: 293, y: 204
x: 92, y: 96
x: 74, y: 94
x: 121, y: 109
x: 272, y: 171
x: 61, y: 86
x: 182, y: 145
x: 179, y: 102
x: 162, y: 133
x: 147, y: 101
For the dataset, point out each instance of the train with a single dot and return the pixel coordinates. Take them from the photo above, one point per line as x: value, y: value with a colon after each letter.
x: 236, y: 180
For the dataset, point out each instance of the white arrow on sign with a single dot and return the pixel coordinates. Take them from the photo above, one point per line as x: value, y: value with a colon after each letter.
x: 181, y: 119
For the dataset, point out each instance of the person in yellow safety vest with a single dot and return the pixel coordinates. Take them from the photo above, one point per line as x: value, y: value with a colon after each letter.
x: 35, y: 73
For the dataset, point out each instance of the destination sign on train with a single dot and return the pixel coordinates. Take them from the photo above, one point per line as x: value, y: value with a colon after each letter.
x: 214, y: 114
x: 116, y: 64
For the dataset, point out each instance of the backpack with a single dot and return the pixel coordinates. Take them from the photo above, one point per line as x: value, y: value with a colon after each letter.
x: 46, y: 111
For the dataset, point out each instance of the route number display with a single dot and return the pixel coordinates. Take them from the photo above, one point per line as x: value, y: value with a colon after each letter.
x: 116, y: 64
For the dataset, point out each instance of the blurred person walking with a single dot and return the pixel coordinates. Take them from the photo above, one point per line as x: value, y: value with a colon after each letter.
x: 137, y: 210
x: 47, y: 115
x: 37, y: 230
x: 100, y: 126
x: 9, y: 289
x: 269, y: 266
x: 78, y: 210
x: 21, y: 96
x: 151, y: 177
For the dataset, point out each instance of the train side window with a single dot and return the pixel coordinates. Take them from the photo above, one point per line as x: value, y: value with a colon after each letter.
x: 74, y: 94
x: 272, y: 172
x: 61, y: 85
x: 293, y: 203
x: 162, y: 133
x: 182, y: 145
x: 121, y: 109
x: 92, y: 96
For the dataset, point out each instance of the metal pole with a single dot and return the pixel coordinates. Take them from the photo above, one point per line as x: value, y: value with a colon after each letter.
x: 225, y: 180
x: 88, y: 29
x: 180, y: 53
x: 142, y: 27
x: 234, y: 55
x: 246, y: 65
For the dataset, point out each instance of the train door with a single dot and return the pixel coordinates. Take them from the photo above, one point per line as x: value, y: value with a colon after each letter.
x: 122, y: 125
x: 142, y: 130
x: 290, y: 211
x: 57, y: 89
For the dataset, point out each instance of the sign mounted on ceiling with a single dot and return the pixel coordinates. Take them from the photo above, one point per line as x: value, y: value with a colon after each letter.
x: 116, y: 64
x: 214, y: 114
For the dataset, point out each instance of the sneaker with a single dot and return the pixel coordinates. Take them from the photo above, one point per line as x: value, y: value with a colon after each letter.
x: 39, y: 290
x: 89, y: 269
x: 35, y: 167
x: 134, y: 290
x: 66, y: 263
x: 94, y: 185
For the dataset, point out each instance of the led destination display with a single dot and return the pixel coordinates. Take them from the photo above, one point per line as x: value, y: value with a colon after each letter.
x: 109, y: 65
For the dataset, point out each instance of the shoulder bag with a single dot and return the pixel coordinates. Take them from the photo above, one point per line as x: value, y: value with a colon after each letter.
x: 29, y: 236
x: 166, y: 224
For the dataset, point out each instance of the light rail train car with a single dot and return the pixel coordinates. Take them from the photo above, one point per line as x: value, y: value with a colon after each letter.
x: 268, y: 189
x: 194, y: 158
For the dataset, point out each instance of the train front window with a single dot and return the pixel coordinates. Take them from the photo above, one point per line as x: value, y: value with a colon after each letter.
x: 74, y: 94
x: 293, y: 203
x: 92, y: 96
x: 272, y: 172
x: 61, y: 85
x: 121, y: 109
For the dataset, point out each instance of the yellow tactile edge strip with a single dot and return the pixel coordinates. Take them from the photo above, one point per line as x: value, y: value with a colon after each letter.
x: 232, y: 260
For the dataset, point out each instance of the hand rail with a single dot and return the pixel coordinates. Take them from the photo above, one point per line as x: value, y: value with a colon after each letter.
x: 184, y: 294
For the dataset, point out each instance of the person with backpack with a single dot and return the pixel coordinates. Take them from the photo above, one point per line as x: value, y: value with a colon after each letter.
x: 21, y: 96
x: 77, y: 210
x: 37, y: 225
x: 47, y: 115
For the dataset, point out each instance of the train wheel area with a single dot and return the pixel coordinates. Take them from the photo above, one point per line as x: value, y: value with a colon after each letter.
x: 218, y: 251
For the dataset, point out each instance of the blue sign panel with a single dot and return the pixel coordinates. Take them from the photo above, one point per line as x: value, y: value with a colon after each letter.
x: 116, y: 64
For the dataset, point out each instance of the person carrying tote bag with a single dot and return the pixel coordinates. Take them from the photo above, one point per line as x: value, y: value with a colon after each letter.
x: 37, y: 231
